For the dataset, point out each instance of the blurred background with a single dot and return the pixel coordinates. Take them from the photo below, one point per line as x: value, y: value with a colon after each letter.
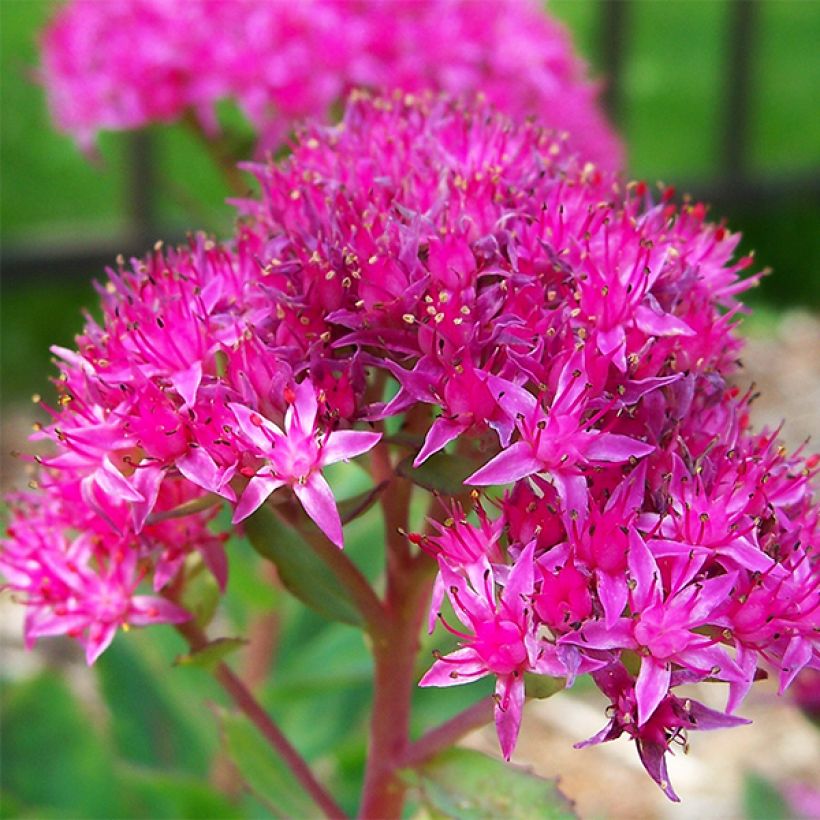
x: 720, y: 99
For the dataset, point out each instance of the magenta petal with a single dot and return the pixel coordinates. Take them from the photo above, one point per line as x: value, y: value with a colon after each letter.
x: 509, y: 706
x: 597, y: 635
x: 148, y: 609
x: 440, y: 434
x: 101, y: 640
x: 515, y: 401
x: 613, y: 593
x: 613, y: 343
x: 573, y: 491
x: 303, y: 411
x: 319, y: 503
x: 255, y: 495
x: 344, y: 444
x: 200, y: 469
x: 651, y: 687
x: 147, y: 479
x: 798, y: 653
x: 461, y: 666
x: 660, y: 324
x: 186, y: 383
x: 114, y: 484
x: 615, y: 448
x: 509, y: 465
x: 644, y: 571
x: 520, y: 582
x: 261, y: 432
x: 654, y: 761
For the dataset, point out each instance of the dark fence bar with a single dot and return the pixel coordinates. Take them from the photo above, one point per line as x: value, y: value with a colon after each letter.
x: 612, y: 44
x: 742, y: 25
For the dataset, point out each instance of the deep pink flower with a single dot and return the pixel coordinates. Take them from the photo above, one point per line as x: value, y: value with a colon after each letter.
x: 295, y: 457
x: 128, y: 63
x: 439, y: 271
x: 499, y: 642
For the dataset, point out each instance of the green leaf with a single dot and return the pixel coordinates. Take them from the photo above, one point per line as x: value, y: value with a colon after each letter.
x: 762, y: 801
x: 302, y: 572
x: 442, y: 472
x: 542, y: 686
x: 157, y: 714
x: 263, y: 771
x: 158, y: 794
x: 468, y: 785
x: 53, y: 757
x: 213, y: 653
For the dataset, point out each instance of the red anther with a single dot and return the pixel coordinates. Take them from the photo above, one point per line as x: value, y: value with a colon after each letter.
x: 640, y: 188
x: 256, y: 420
x: 699, y: 211
x: 415, y: 537
x: 720, y: 234
x: 290, y: 395
x: 668, y: 193
x: 669, y: 211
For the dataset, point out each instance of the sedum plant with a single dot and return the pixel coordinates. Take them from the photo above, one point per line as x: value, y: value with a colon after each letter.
x: 529, y: 359
x: 125, y: 64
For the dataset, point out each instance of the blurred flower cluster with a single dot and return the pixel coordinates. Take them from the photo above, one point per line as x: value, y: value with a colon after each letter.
x: 124, y: 64
x: 517, y: 309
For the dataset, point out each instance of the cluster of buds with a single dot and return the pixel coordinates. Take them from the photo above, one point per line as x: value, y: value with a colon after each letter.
x: 438, y: 269
x: 124, y: 64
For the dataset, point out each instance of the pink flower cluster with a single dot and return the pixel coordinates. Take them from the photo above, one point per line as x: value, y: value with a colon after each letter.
x: 521, y: 310
x: 123, y: 64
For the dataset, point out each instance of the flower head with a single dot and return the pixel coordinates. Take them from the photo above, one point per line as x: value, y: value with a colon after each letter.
x: 133, y: 62
x: 440, y: 271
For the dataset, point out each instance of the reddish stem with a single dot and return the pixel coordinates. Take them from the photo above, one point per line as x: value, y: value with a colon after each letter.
x: 249, y: 706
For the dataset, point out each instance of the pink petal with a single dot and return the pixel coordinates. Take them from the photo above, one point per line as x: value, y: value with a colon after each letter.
x: 200, y: 469
x: 186, y: 383
x: 148, y: 609
x: 303, y: 411
x: 660, y: 324
x: 319, y: 503
x: 508, y: 710
x: 573, y: 490
x: 95, y: 646
x: 255, y: 495
x: 461, y: 666
x: 798, y: 653
x: 114, y: 484
x: 651, y: 687
x: 147, y: 479
x: 644, y: 571
x: 345, y: 444
x: 512, y: 464
x: 520, y: 582
x: 515, y: 401
x: 261, y: 432
x: 613, y: 594
x: 441, y: 433
x: 615, y: 448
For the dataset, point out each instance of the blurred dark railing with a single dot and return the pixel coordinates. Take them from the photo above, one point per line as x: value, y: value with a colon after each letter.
x: 733, y: 184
